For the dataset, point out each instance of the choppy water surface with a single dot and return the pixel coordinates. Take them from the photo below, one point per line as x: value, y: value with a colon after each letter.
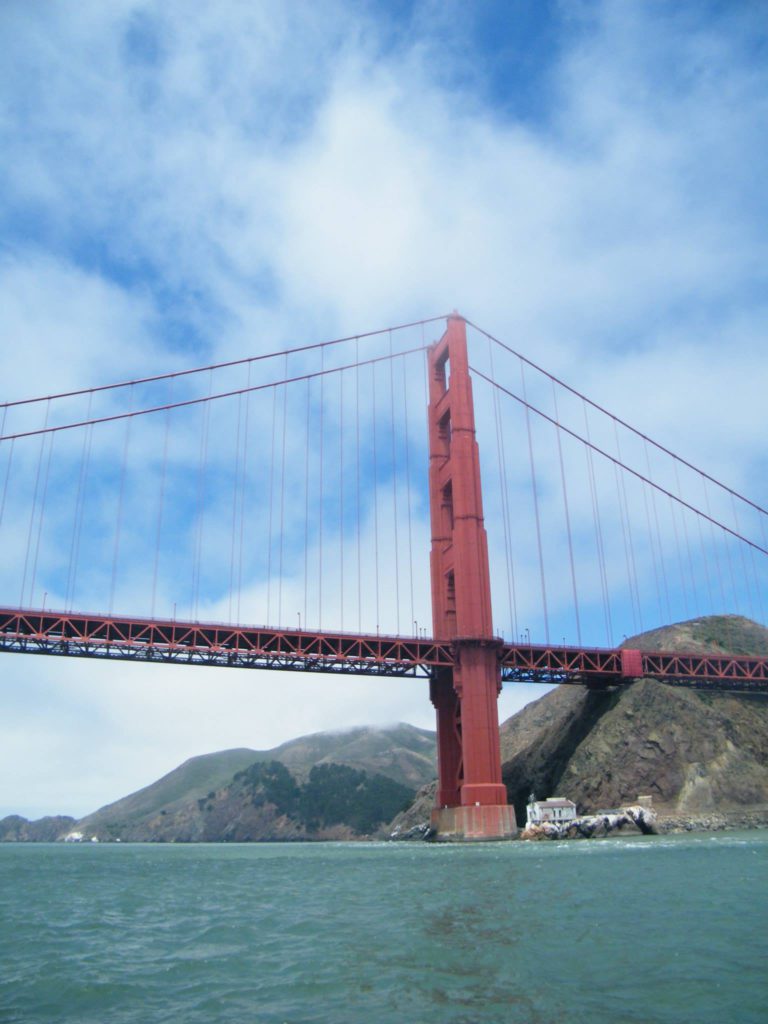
x: 650, y: 929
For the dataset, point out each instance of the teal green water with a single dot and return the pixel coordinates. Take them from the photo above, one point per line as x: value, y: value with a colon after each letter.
x: 651, y: 929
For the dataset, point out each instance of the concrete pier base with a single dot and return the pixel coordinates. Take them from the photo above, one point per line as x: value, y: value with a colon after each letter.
x: 482, y: 823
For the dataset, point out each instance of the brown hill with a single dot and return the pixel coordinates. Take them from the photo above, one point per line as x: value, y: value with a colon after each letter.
x: 710, y: 634
x: 693, y: 750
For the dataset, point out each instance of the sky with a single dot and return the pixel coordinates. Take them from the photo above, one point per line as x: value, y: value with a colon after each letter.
x: 187, y: 184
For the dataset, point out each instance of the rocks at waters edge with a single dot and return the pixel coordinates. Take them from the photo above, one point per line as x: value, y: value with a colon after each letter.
x: 414, y: 821
x: 635, y: 818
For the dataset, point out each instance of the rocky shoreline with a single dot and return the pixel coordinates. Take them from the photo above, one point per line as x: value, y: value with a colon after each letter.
x: 713, y: 821
x: 595, y: 826
x: 640, y: 820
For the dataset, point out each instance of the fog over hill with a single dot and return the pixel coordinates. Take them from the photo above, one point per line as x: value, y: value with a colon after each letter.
x: 326, y: 785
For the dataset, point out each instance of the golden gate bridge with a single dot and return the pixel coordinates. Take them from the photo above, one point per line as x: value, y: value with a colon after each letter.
x: 299, y: 483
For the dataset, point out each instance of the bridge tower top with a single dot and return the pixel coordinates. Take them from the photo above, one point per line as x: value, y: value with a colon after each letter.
x: 459, y: 541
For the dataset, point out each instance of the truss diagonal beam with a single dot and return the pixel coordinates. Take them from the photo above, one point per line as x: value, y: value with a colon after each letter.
x: 27, y: 631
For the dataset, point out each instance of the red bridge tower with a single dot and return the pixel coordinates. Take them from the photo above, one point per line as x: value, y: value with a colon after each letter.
x: 471, y: 798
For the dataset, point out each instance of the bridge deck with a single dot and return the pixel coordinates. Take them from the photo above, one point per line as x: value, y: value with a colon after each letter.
x: 198, y: 643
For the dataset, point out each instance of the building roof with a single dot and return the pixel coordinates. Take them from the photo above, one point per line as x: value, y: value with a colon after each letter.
x: 555, y: 801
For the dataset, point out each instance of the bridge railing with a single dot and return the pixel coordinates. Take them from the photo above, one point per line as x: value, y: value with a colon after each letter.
x: 167, y: 640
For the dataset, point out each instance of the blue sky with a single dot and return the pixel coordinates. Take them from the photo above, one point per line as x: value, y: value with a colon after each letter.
x: 187, y: 184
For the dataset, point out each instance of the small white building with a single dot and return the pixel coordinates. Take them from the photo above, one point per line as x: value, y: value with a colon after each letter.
x: 555, y: 808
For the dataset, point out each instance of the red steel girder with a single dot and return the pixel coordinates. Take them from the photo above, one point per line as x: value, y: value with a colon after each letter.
x: 86, y: 635
x: 199, y: 643
x: 604, y: 666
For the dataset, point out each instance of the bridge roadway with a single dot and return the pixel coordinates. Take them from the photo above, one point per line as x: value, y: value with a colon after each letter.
x: 198, y: 643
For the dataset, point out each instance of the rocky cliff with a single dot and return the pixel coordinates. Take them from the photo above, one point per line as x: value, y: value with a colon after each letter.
x: 702, y: 755
x: 694, y: 751
x: 691, y: 750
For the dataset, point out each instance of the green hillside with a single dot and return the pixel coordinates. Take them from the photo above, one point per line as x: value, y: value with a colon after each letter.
x: 193, y: 779
x: 401, y: 753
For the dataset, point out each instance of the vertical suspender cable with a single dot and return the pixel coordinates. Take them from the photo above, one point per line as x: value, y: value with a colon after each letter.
x: 598, y: 532
x: 394, y: 482
x: 243, y: 488
x: 728, y: 542
x: 80, y: 518
x: 6, y: 479
x: 320, y: 503
x: 69, y: 595
x: 271, y: 506
x: 724, y: 606
x: 306, y: 501
x: 705, y: 563
x: 651, y: 541
x: 535, y: 505
x: 574, y: 588
x: 717, y: 564
x: 282, y: 501
x: 678, y: 550
x: 626, y: 515
x: 235, y: 509
x: 41, y: 518
x: 408, y: 489
x: 375, y: 494
x: 758, y: 590
x: 684, y: 515
x: 160, y: 508
x: 762, y: 520
x: 33, y: 510
x: 341, y: 498
x: 357, y: 471
x: 743, y: 559
x: 201, y: 473
x: 119, y: 517
x: 658, y: 533
x: 504, y: 494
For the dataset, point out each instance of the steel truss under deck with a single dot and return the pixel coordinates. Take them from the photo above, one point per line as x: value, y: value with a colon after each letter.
x: 198, y: 643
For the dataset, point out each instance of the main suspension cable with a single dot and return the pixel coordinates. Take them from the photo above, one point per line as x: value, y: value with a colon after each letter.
x: 215, y: 366
x: 206, y: 398
x: 628, y: 469
x: 621, y: 422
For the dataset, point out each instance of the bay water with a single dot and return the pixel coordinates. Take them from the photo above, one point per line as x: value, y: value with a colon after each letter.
x: 647, y: 929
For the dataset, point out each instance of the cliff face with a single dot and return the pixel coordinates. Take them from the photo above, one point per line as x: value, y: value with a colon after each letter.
x: 694, y: 751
